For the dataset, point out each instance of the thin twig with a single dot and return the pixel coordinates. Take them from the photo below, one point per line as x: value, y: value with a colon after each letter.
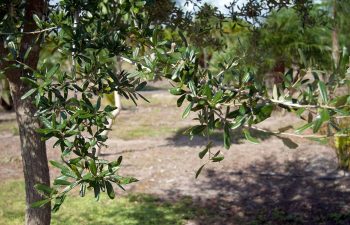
x: 134, y: 63
x: 29, y: 32
x: 296, y: 135
x: 290, y: 104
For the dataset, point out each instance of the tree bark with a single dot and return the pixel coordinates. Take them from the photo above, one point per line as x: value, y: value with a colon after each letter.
x: 33, y: 149
x: 335, y: 40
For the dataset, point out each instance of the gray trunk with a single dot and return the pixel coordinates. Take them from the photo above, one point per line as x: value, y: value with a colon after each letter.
x: 33, y: 150
x: 335, y: 40
x: 34, y: 159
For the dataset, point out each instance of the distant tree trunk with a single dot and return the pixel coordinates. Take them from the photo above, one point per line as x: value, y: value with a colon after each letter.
x: 335, y: 40
x: 33, y: 150
x: 6, y: 99
x: 117, y: 103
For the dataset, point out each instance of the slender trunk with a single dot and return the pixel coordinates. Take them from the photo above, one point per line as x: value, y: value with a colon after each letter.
x: 33, y: 150
x: 117, y: 103
x: 335, y: 40
x: 6, y: 99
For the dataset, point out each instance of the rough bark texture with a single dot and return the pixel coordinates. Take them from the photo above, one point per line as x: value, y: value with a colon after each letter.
x: 34, y: 159
x: 33, y: 149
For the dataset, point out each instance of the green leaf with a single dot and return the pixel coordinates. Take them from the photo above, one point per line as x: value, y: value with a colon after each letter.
x: 44, y: 189
x: 61, y: 182
x: 87, y: 176
x: 27, y: 53
x: 323, y: 91
x: 303, y: 128
x: 29, y: 93
x: 68, y: 143
x: 317, y: 124
x: 40, y: 203
x: 246, y: 78
x: 176, y: 91
x: 198, y: 129
x: 180, y: 100
x: 187, y: 110
x: 98, y: 103
x: 29, y: 81
x: 205, y: 151
x: 324, y: 114
x: 110, y: 190
x: 199, y: 170
x: 192, y: 87
x: 92, y: 167
x: 141, y: 86
x: 37, y: 20
x: 12, y: 47
x: 119, y: 160
x: 217, y: 97
x: 82, y: 190
x: 239, y: 121
x: 227, y: 137
x: 249, y: 137
x: 217, y: 158
x: 52, y: 71
x: 127, y: 180
x: 46, y: 122
x: 58, y: 165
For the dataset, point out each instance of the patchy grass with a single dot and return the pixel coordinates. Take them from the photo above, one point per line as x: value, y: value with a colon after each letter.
x: 9, y: 127
x: 143, y: 131
x: 153, y: 100
x: 127, y: 210
x: 159, y: 118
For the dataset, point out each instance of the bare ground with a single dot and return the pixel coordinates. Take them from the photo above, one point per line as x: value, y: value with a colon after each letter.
x: 268, y: 183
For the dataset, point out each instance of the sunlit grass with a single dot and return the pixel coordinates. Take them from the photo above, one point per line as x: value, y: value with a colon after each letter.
x: 144, y: 131
x: 9, y: 127
x: 134, y: 209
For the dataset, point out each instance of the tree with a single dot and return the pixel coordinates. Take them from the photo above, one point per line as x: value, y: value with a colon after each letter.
x: 68, y: 103
x: 33, y: 149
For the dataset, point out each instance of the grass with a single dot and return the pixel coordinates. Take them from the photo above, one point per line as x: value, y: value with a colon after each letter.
x: 144, y: 131
x: 9, y: 127
x: 134, y: 209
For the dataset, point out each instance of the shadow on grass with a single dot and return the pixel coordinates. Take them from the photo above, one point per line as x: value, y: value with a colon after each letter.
x: 266, y: 192
x: 137, y: 209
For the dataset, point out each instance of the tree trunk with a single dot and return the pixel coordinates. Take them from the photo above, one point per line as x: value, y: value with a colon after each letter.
x: 33, y: 149
x: 117, y: 103
x: 335, y: 40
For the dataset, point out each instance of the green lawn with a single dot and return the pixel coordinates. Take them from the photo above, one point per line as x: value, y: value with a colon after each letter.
x: 132, y: 209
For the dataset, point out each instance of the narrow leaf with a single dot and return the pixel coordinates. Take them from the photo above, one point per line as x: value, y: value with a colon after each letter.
x: 187, y: 110
x: 199, y: 170
x: 323, y: 91
x: 250, y: 138
x: 29, y: 93
x: 40, y: 203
